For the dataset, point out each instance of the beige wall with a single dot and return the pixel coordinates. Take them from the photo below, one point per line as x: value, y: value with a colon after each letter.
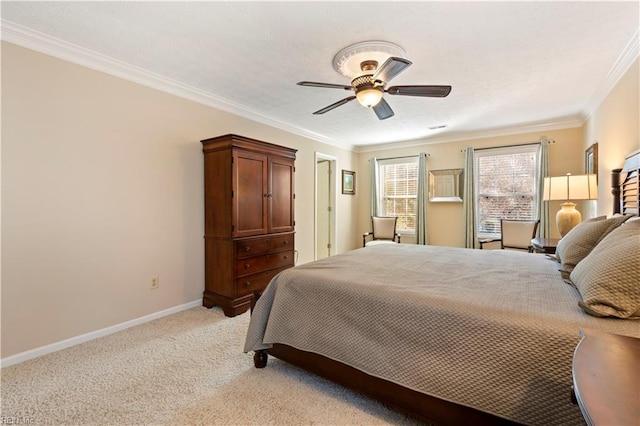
x: 615, y: 127
x: 444, y: 220
x: 102, y: 190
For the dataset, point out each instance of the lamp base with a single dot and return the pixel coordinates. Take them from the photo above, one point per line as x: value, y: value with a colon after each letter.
x: 567, y: 217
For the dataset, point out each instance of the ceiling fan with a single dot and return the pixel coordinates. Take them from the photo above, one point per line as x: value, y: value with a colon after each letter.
x: 370, y: 86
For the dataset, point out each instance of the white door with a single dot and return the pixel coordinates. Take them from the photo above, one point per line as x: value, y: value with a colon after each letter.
x: 323, y: 209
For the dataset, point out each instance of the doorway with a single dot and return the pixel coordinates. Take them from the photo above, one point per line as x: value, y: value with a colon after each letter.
x: 325, y: 206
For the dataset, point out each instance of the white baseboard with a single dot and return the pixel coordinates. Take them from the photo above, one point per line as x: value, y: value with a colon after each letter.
x: 53, y: 347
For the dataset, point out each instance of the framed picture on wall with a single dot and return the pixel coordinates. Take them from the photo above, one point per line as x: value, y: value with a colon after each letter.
x: 348, y: 182
x: 591, y: 160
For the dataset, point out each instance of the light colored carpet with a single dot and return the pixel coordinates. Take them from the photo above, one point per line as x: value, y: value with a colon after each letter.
x: 184, y: 369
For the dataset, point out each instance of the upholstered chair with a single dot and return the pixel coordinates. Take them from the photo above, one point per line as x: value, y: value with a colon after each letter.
x: 515, y: 234
x: 383, y: 231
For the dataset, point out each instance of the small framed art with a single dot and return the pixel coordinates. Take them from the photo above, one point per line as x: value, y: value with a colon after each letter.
x: 348, y: 182
x: 591, y: 160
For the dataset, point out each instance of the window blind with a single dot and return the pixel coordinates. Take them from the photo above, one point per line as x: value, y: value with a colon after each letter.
x: 399, y: 189
x: 506, y: 186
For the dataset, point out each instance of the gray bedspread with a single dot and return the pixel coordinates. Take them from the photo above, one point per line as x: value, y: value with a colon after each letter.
x: 491, y: 329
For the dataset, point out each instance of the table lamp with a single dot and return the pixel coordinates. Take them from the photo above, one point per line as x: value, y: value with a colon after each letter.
x: 569, y: 187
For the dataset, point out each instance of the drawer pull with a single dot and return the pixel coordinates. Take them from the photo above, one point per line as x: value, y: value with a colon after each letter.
x: 285, y: 242
x: 247, y: 284
x: 247, y: 248
x: 286, y: 257
x: 247, y: 266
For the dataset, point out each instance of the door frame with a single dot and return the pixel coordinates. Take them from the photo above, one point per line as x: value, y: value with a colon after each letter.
x: 332, y: 199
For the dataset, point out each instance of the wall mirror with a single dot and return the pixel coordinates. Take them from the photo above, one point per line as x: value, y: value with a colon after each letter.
x: 445, y: 186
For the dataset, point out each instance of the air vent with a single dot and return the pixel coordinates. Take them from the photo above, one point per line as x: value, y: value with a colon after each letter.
x: 442, y: 126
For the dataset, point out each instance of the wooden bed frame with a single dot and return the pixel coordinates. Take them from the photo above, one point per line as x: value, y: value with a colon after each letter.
x: 625, y: 187
x: 423, y: 406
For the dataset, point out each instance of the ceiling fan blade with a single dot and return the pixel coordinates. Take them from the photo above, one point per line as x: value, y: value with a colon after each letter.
x: 326, y: 85
x: 383, y: 110
x: 335, y: 105
x: 391, y: 68
x: 426, y: 91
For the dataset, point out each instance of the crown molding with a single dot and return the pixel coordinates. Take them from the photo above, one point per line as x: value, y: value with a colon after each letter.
x: 619, y: 68
x: 560, y: 124
x: 52, y: 46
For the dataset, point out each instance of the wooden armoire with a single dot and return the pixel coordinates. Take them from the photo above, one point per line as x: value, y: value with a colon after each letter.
x: 249, y: 218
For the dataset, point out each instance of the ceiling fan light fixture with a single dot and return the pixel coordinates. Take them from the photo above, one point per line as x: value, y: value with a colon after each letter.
x: 369, y: 97
x: 369, y: 80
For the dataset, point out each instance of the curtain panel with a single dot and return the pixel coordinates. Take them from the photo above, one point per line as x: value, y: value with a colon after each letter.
x: 373, y: 164
x: 468, y: 200
x: 543, y: 207
x: 421, y: 207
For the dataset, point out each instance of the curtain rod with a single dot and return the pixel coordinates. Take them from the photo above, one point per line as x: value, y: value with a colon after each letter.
x: 512, y: 146
x: 402, y: 156
x: 508, y: 146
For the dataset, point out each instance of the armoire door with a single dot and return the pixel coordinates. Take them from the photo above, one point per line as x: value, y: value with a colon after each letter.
x: 250, y: 193
x: 281, y: 195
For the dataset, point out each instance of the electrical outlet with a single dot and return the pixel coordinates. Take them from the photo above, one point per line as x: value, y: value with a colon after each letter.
x: 155, y: 282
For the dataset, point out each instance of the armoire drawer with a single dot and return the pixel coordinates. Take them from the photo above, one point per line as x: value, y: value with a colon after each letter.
x: 252, y: 265
x: 256, y: 282
x: 257, y: 246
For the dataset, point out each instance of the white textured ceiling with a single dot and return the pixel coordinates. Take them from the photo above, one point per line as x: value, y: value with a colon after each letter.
x: 511, y: 64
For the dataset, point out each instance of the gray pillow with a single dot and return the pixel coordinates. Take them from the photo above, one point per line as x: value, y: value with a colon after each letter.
x: 562, y: 245
x: 608, y: 279
x: 579, y: 242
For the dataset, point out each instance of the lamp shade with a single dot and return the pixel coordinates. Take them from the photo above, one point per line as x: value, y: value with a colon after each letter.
x: 570, y: 187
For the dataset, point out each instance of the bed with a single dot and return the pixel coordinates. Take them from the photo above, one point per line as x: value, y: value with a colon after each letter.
x: 454, y: 335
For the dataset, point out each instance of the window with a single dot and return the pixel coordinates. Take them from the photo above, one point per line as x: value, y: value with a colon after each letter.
x: 506, y: 186
x: 398, y: 191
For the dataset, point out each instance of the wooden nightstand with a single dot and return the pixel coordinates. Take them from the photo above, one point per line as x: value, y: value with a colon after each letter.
x: 544, y: 245
x: 606, y: 368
